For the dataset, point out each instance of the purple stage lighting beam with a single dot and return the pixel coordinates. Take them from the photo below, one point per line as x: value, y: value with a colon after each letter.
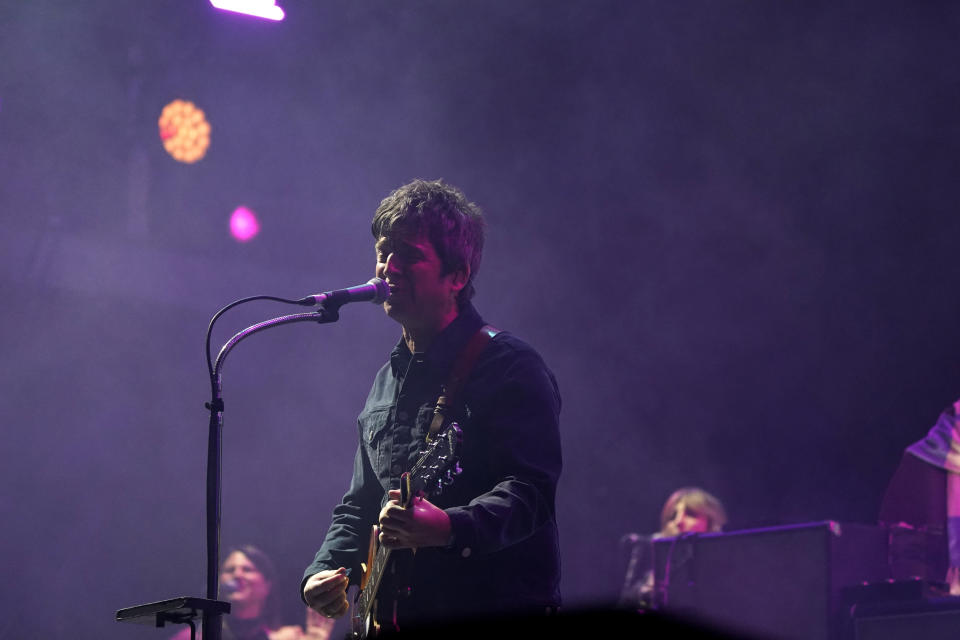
x: 259, y: 8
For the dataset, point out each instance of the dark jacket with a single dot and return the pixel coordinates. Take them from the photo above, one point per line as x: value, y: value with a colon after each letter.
x: 504, y: 553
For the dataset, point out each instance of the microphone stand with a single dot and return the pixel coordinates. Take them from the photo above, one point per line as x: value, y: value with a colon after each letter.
x: 185, y: 609
x: 323, y: 315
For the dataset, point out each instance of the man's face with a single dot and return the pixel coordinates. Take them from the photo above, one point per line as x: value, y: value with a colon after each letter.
x: 421, y: 295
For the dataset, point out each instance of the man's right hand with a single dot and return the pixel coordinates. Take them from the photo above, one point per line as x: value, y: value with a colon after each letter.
x: 326, y: 592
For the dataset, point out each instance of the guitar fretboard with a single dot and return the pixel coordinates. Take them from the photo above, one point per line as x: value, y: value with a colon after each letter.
x: 365, y: 600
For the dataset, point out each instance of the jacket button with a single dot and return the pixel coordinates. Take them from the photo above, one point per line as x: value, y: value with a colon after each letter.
x: 396, y: 469
x: 466, y: 552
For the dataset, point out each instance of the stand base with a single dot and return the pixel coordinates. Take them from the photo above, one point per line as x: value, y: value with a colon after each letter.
x: 176, y: 610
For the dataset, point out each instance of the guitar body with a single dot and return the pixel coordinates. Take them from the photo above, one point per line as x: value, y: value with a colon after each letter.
x: 394, y: 584
x: 384, y: 612
x: 386, y: 576
x: 370, y: 625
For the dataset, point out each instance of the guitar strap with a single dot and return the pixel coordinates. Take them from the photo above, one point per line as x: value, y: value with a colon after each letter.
x: 461, y: 369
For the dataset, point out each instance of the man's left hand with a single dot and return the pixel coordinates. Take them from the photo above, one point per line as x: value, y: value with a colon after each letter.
x: 422, y: 524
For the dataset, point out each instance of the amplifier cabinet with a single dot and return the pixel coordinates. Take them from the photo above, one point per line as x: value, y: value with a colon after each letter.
x: 776, y: 582
x: 926, y: 619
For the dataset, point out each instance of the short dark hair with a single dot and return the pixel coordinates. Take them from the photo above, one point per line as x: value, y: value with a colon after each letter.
x: 454, y: 225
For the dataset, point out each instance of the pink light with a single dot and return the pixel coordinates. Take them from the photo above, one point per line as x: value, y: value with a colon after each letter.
x: 259, y: 8
x: 244, y: 225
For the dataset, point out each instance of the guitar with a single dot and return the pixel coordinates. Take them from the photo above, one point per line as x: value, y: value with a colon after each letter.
x: 375, y: 610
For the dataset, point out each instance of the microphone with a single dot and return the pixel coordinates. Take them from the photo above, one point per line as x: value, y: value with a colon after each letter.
x: 375, y: 290
x: 228, y: 586
x: 635, y: 538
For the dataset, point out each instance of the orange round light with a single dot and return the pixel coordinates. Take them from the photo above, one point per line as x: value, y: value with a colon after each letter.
x: 184, y: 131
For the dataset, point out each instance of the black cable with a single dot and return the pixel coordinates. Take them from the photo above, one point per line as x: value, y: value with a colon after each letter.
x: 233, y: 304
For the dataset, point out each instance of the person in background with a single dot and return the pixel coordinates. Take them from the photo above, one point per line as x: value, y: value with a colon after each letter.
x: 688, y: 510
x: 247, y: 578
x: 924, y: 493
x: 691, y: 510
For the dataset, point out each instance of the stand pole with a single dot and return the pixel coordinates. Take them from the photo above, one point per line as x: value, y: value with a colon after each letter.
x: 323, y: 315
x: 184, y: 610
x: 211, y: 621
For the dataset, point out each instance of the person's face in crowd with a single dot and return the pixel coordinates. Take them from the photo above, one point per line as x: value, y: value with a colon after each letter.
x: 421, y: 294
x: 252, y: 588
x: 686, y: 520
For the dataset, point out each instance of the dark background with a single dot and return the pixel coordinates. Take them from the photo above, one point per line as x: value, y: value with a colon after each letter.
x: 730, y: 228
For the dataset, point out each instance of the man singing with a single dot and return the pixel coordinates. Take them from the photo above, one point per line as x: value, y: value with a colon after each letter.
x: 488, y: 543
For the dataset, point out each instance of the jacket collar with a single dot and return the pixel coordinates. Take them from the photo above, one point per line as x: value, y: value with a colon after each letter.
x: 446, y: 347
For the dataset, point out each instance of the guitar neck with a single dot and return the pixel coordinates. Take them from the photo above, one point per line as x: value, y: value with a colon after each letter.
x: 367, y: 596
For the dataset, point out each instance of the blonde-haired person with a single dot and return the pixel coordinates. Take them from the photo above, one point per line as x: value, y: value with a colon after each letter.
x: 691, y: 510
x: 688, y: 510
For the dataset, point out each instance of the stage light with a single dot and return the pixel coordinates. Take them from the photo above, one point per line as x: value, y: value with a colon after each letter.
x: 244, y: 225
x: 258, y: 8
x: 184, y: 130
